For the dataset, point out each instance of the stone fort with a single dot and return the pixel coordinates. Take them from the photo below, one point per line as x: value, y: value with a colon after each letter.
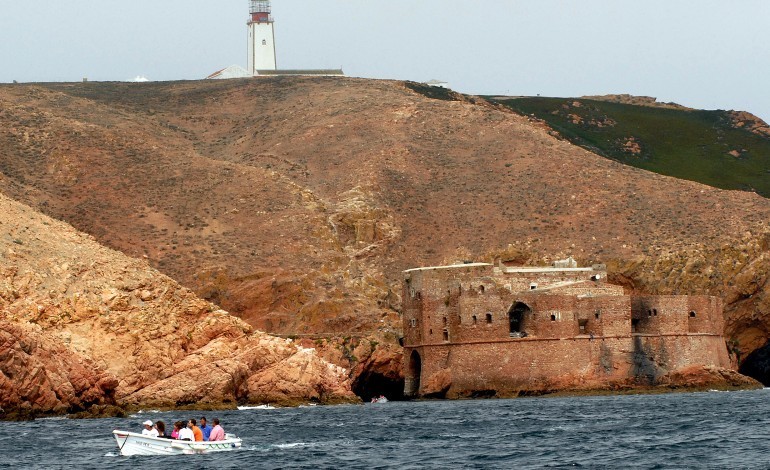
x: 480, y: 329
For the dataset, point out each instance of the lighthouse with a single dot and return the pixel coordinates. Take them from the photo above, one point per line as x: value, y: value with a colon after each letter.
x: 261, y: 37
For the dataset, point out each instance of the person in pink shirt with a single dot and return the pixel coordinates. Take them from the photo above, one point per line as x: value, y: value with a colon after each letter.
x: 217, y: 433
x: 175, y: 432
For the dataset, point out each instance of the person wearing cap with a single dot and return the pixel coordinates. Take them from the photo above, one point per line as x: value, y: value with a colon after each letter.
x: 149, y: 430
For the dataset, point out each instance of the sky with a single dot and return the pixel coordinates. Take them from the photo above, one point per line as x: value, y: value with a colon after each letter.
x: 701, y: 53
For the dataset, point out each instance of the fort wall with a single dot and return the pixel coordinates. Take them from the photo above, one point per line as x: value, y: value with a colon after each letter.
x: 483, y: 329
x: 543, y: 365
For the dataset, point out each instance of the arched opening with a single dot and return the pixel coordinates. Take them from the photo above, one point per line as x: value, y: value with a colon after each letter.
x: 517, y: 316
x: 412, y: 379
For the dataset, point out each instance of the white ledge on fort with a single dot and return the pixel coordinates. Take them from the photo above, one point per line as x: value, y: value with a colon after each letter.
x: 451, y: 266
x: 546, y: 270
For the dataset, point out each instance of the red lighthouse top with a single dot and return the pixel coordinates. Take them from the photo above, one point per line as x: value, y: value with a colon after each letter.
x: 260, y: 11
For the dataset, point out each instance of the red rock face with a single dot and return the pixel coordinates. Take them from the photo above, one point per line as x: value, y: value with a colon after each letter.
x: 84, y: 325
x: 38, y: 374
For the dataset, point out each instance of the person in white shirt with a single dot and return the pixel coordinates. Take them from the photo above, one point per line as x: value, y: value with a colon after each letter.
x: 149, y: 430
x: 186, y: 433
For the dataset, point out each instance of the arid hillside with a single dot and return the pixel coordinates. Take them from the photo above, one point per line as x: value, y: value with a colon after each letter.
x: 295, y: 203
x: 82, y: 326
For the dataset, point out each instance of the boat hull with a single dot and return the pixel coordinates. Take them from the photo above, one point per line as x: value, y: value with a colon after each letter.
x: 131, y: 443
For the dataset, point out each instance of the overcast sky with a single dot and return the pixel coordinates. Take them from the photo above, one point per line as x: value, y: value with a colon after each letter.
x: 700, y: 53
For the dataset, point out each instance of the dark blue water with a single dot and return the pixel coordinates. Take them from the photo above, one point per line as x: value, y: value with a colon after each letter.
x: 694, y: 430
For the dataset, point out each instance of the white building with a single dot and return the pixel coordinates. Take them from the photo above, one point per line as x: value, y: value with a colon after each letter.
x: 437, y: 83
x: 261, y: 47
x: 233, y: 71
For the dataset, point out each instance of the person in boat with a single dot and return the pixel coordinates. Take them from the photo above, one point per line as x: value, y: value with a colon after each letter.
x: 205, y: 428
x: 196, y: 431
x: 217, y: 433
x: 177, y: 426
x: 161, y: 427
x: 149, y: 430
x: 186, y: 432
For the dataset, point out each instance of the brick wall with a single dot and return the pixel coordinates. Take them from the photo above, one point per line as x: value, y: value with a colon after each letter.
x: 571, y: 330
x: 531, y: 364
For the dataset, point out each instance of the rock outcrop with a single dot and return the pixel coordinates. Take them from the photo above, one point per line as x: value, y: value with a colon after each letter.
x: 84, y: 325
x: 39, y: 374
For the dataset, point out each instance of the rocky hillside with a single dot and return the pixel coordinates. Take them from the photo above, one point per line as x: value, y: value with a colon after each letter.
x: 295, y: 203
x: 83, y: 325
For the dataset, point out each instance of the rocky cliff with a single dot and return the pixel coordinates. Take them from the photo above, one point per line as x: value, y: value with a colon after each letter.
x: 295, y: 203
x: 84, y: 325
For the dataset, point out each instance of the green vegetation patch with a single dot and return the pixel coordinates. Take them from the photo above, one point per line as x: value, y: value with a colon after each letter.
x: 702, y: 146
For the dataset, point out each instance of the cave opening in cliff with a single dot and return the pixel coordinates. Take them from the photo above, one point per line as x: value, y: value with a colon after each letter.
x: 388, y: 381
x: 757, y: 365
x: 373, y: 384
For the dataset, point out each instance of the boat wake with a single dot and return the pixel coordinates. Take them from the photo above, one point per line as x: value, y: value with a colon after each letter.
x: 292, y: 445
x: 258, y: 407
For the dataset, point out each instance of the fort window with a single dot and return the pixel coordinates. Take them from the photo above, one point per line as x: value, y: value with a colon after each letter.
x: 553, y: 317
x: 582, y: 324
x: 634, y: 325
x: 445, y: 321
x: 489, y: 318
x: 649, y: 313
x: 474, y: 320
x: 431, y: 331
x: 692, y: 314
x: 481, y: 289
x: 654, y: 312
x: 446, y: 336
x: 533, y: 286
x: 516, y: 318
x: 413, y: 322
x: 596, y: 315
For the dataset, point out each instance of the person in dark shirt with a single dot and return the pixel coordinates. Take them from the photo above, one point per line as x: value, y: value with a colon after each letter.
x: 161, y: 427
x: 205, y: 428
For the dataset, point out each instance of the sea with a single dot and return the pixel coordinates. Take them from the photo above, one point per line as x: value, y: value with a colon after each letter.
x: 679, y: 430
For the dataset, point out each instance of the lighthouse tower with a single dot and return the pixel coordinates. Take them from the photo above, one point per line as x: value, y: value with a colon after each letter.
x: 261, y: 37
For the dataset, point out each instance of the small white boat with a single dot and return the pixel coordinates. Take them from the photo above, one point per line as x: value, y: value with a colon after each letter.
x: 380, y: 399
x: 132, y: 443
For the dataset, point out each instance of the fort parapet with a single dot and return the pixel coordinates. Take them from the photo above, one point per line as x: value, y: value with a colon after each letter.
x: 479, y: 329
